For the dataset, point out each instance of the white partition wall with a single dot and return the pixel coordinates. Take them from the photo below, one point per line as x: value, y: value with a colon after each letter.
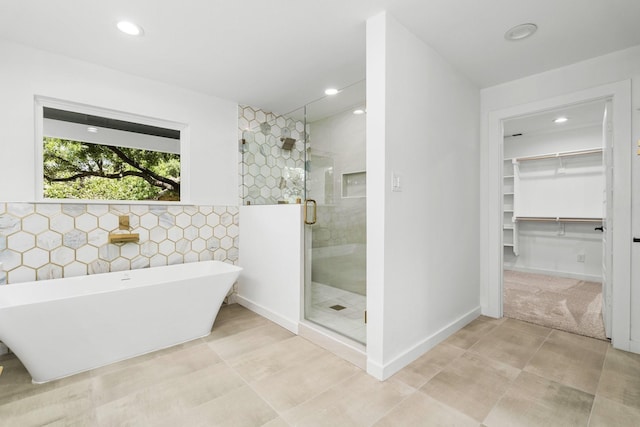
x: 422, y: 197
x: 271, y: 256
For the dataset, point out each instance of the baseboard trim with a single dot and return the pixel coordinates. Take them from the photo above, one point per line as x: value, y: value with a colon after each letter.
x: 382, y: 372
x: 266, y: 313
x: 634, y: 346
x: 578, y: 276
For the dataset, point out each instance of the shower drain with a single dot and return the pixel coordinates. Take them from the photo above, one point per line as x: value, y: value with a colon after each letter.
x: 338, y: 307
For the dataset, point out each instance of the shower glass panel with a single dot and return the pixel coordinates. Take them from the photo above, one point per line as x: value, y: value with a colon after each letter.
x: 335, y: 246
x: 273, y: 156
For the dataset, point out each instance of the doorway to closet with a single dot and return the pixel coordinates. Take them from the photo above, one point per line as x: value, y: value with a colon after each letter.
x: 556, y: 240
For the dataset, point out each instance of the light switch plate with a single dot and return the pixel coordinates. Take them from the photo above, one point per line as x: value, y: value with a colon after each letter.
x: 396, y: 182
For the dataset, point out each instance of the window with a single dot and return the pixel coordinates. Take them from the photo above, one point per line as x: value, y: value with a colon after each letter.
x: 89, y: 154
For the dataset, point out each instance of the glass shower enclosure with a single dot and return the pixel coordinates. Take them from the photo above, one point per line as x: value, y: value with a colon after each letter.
x: 335, y: 245
x: 317, y: 153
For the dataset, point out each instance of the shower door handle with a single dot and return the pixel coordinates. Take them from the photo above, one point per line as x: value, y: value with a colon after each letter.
x: 310, y: 205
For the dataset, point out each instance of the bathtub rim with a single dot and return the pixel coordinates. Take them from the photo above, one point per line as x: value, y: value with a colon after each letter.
x: 93, y: 281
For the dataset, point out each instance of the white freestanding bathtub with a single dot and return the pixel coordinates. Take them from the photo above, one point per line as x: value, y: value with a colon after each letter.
x: 65, y: 326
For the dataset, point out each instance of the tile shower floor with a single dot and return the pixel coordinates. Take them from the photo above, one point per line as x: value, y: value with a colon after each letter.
x: 251, y: 372
x: 348, y: 321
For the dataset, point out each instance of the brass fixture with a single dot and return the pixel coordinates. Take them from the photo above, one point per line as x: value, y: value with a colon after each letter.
x: 124, y: 237
x: 123, y: 222
x: 310, y: 205
x: 118, y: 237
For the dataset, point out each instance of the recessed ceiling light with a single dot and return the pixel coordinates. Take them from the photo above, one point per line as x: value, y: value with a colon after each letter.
x: 331, y: 91
x: 520, y: 32
x: 358, y: 111
x: 560, y: 120
x: 130, y: 28
x: 92, y: 129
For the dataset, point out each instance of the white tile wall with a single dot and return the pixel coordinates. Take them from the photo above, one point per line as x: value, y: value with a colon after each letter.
x: 48, y: 240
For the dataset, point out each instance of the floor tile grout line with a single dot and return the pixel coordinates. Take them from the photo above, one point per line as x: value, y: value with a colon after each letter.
x: 472, y: 353
x: 546, y: 338
x: 511, y: 382
x: 252, y: 389
x: 595, y: 395
x: 418, y: 389
x: 550, y: 330
x: 317, y: 394
x: 254, y: 350
x: 280, y: 414
x: 415, y: 390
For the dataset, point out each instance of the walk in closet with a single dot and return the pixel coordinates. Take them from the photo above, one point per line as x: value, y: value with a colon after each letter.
x: 553, y: 202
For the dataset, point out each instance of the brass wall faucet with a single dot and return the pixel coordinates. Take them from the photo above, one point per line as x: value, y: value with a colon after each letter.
x: 123, y: 224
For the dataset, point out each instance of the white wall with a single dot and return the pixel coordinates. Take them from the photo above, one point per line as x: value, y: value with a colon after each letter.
x: 565, y: 81
x: 271, y: 256
x: 422, y: 257
x: 26, y: 72
x: 545, y: 249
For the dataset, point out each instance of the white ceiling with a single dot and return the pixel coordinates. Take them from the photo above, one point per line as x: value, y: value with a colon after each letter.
x: 579, y: 116
x: 281, y: 54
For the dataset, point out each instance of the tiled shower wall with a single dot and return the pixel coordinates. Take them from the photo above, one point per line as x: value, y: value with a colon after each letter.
x: 343, y: 223
x: 49, y: 240
x: 270, y: 174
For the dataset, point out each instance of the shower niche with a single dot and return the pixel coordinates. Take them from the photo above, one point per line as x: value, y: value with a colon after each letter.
x: 354, y: 184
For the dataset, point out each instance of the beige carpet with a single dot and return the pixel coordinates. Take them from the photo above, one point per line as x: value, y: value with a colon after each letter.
x: 556, y: 302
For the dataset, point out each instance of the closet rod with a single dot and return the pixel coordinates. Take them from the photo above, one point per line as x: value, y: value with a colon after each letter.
x: 556, y: 219
x: 561, y: 154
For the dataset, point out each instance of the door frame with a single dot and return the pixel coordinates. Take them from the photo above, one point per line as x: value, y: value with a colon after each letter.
x: 620, y: 95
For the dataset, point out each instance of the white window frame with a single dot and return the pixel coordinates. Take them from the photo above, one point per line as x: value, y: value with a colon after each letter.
x: 42, y: 101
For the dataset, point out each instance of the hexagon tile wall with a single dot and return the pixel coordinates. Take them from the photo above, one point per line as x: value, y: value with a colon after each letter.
x: 270, y: 174
x: 49, y: 240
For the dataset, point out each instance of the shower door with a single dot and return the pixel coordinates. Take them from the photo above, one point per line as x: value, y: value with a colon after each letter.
x: 335, y: 221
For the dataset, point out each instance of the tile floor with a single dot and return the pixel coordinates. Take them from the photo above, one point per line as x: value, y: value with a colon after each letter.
x: 348, y: 321
x: 251, y: 372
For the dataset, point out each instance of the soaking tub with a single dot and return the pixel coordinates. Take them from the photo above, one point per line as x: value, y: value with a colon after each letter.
x: 65, y: 326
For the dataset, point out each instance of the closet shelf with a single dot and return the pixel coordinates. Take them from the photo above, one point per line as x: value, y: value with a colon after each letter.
x: 560, y: 154
x: 556, y: 219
